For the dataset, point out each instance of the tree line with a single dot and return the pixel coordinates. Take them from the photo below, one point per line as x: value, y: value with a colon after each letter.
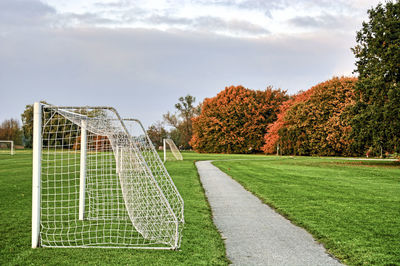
x: 344, y: 116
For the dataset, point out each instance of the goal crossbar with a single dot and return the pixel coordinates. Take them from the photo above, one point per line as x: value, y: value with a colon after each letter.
x: 97, y: 182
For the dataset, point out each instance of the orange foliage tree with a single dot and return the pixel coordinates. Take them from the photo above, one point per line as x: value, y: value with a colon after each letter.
x: 315, y: 122
x: 235, y: 120
x: 272, y: 137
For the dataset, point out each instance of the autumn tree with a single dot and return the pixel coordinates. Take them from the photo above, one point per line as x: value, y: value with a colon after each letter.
x: 235, y: 120
x: 10, y: 130
x: 376, y: 122
x: 315, y: 122
x: 272, y: 138
x: 181, y: 120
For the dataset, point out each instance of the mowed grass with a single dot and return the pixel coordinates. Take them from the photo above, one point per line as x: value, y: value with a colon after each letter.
x: 352, y: 207
x: 201, y: 242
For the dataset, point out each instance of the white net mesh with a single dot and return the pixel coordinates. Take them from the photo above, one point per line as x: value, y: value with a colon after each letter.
x: 130, y: 199
x: 171, y: 152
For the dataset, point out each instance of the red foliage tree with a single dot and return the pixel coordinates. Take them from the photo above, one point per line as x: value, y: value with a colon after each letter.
x: 235, y: 120
x: 315, y: 122
x: 272, y: 137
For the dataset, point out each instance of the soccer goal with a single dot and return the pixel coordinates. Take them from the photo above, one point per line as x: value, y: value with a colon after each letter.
x: 171, y: 152
x: 99, y: 182
x: 7, y: 146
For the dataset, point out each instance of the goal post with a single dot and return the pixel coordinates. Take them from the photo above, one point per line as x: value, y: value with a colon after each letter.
x: 82, y: 174
x: 171, y: 152
x: 9, y: 143
x: 98, y: 181
x: 36, y: 172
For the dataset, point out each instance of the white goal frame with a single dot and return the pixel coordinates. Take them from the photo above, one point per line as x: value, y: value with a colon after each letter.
x: 12, y: 151
x: 174, y: 150
x: 148, y: 166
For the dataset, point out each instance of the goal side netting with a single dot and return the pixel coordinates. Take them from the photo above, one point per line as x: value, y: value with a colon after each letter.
x: 171, y: 152
x: 99, y: 182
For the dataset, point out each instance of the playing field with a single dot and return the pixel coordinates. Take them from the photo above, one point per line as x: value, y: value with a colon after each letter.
x: 351, y: 206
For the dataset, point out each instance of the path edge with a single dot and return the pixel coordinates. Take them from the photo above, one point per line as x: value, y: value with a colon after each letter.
x: 284, y: 215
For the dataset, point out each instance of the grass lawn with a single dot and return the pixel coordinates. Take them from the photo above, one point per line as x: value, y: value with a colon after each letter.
x: 352, y: 207
x: 201, y: 242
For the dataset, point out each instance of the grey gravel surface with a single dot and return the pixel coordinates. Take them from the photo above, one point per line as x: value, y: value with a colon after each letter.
x: 254, y: 233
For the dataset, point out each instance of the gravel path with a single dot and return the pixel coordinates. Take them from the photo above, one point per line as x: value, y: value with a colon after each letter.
x: 255, y: 234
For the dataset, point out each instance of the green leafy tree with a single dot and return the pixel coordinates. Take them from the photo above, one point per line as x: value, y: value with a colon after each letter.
x: 376, y: 122
x: 59, y: 127
x: 27, y: 125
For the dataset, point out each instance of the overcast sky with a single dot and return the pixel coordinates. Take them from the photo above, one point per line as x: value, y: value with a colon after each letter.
x: 141, y: 56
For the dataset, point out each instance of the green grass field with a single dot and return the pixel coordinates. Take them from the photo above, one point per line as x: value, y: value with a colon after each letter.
x: 351, y: 206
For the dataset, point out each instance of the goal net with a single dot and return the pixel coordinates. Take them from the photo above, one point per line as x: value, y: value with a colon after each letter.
x: 171, y: 152
x: 7, y: 147
x: 99, y: 182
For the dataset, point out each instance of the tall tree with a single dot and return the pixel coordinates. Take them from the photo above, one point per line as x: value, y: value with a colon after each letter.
x: 27, y: 125
x: 182, y: 120
x: 235, y: 120
x: 376, y: 123
x: 186, y: 111
x: 11, y: 130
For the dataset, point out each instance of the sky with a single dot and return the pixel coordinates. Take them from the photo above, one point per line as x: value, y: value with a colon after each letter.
x: 141, y: 56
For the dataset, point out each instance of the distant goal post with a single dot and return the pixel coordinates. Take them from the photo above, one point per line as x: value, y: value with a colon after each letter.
x: 9, y: 144
x: 171, y: 152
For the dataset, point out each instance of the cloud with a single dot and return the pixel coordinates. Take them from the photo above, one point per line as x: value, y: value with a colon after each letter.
x: 165, y: 19
x: 117, y: 4
x: 144, y: 72
x: 24, y: 13
x: 266, y: 6
x: 238, y: 18
x: 325, y: 21
x: 87, y: 19
x: 214, y: 24
x: 259, y: 5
